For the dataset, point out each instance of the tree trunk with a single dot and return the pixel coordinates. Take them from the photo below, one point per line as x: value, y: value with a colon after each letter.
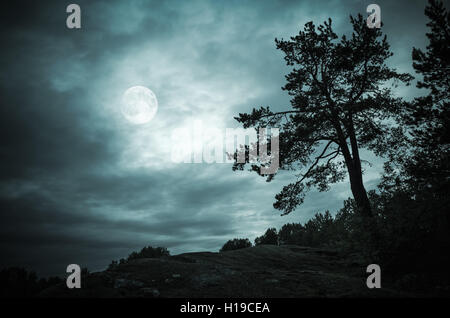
x: 355, y: 172
x: 358, y: 190
x: 353, y: 163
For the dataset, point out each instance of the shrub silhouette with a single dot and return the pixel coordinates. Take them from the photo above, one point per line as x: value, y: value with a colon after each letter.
x: 146, y: 252
x: 18, y: 282
x: 269, y: 238
x: 236, y: 244
x: 322, y: 230
x: 291, y: 233
x: 149, y: 252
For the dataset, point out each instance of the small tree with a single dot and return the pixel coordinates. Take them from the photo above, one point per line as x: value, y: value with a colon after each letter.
x: 146, y: 252
x: 150, y: 252
x: 269, y: 238
x: 291, y: 233
x: 236, y: 244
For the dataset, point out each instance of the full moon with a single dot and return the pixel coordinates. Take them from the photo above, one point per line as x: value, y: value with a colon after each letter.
x: 139, y: 105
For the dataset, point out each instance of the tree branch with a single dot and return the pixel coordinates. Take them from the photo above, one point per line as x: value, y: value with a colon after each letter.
x: 315, y: 162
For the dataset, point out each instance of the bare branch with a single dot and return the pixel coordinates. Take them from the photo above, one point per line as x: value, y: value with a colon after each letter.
x: 315, y: 162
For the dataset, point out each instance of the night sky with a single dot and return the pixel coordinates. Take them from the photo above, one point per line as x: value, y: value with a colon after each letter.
x: 80, y: 184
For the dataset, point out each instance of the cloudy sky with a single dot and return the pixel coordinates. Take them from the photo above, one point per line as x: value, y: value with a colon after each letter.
x: 81, y: 184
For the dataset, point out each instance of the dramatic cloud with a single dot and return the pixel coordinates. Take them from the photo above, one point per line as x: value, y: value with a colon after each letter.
x: 80, y: 184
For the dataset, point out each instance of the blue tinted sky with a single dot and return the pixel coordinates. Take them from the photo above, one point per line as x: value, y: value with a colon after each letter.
x: 80, y: 184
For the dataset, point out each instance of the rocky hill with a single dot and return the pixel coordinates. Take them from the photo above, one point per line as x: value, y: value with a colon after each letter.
x: 261, y: 271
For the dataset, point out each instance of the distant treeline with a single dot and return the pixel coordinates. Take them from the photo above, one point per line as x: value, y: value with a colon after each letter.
x: 412, y: 238
x: 146, y: 252
x: 18, y: 282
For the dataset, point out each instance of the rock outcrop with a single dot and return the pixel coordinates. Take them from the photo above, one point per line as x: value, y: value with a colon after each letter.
x: 261, y: 271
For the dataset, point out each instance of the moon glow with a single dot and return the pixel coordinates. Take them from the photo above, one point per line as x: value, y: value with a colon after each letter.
x: 139, y: 105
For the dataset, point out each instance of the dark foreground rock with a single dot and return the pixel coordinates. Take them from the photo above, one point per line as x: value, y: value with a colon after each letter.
x: 261, y: 271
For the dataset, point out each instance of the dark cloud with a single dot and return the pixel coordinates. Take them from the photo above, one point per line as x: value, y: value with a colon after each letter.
x: 80, y: 185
